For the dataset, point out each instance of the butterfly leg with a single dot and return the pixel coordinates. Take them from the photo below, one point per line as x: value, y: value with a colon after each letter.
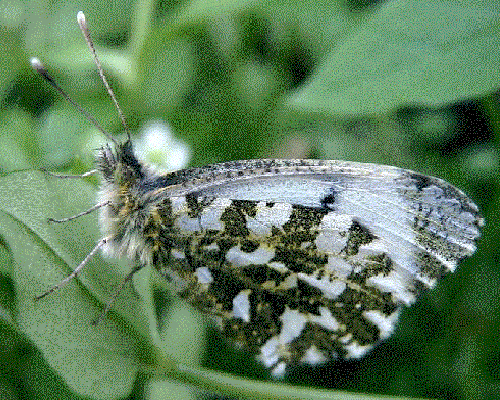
x: 77, y: 270
x: 117, y: 292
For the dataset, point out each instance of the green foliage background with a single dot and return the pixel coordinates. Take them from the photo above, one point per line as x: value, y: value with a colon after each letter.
x: 409, y: 83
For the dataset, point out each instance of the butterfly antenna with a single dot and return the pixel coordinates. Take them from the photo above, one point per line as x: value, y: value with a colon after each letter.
x: 37, y: 65
x: 86, y: 34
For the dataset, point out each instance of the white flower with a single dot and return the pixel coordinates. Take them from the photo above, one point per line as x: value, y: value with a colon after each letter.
x: 158, y: 147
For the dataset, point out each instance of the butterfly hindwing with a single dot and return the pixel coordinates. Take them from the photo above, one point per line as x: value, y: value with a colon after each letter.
x: 285, y: 281
x: 302, y: 260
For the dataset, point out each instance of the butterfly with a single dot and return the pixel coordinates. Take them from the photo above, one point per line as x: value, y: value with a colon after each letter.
x: 296, y: 260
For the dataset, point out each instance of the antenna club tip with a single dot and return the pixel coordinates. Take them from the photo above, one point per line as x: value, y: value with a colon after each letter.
x: 36, y: 63
x: 80, y: 17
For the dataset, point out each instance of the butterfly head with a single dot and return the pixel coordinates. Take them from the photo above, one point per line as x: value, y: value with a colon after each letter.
x: 118, y: 164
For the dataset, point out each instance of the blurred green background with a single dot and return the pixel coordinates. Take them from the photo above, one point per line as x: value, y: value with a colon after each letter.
x: 406, y: 83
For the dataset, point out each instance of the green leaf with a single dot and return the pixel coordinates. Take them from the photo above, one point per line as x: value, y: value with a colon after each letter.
x: 97, y: 361
x: 412, y: 51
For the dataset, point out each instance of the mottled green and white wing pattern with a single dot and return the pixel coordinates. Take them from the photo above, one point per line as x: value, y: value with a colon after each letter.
x: 303, y: 260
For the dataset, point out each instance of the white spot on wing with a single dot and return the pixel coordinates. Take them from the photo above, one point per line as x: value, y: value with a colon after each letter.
x: 187, y: 224
x: 426, y: 280
x: 339, y: 266
x: 176, y: 253
x: 355, y: 350
x: 179, y: 204
x: 392, y: 283
x: 269, y: 354
x: 210, y: 216
x: 384, y: 323
x: 293, y: 324
x: 374, y: 248
x: 239, y: 258
x: 313, y: 356
x: 345, y: 339
x: 326, y: 319
x: 329, y: 239
x: 267, y: 217
x: 182, y: 220
x: 278, y: 266
x: 211, y: 246
x: 241, y: 305
x: 279, y: 370
x: 203, y: 274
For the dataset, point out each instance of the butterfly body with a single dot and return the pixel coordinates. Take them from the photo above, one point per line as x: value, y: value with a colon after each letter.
x: 297, y: 260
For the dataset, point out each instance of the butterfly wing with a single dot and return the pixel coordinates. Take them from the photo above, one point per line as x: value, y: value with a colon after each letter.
x: 308, y: 262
